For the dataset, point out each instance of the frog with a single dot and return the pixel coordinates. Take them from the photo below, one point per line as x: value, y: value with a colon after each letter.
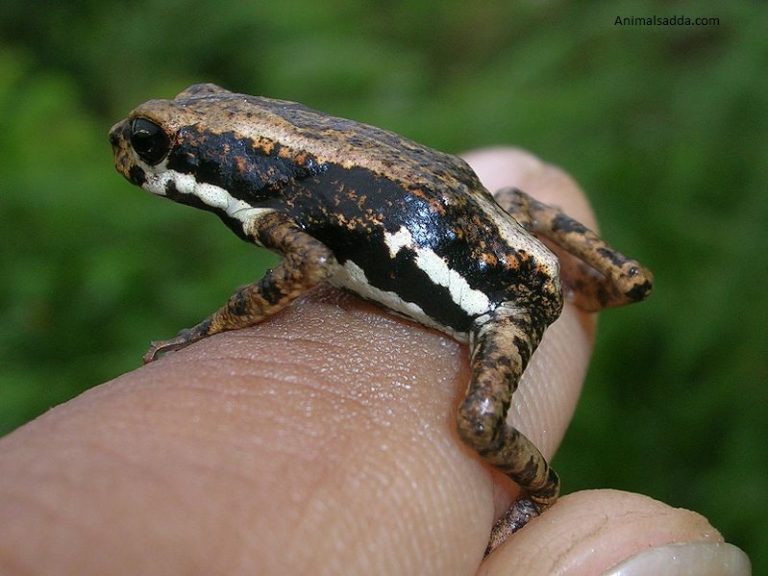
x: 400, y: 224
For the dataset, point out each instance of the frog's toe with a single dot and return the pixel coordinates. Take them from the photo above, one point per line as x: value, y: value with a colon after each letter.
x: 637, y: 282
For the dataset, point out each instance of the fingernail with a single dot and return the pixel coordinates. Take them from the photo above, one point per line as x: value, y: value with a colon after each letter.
x: 699, y: 558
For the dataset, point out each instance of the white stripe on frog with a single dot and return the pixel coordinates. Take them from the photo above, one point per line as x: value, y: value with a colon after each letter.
x: 158, y: 177
x: 472, y: 301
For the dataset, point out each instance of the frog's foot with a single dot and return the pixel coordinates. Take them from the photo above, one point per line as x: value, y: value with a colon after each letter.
x: 601, y: 276
x: 181, y: 340
x: 518, y: 515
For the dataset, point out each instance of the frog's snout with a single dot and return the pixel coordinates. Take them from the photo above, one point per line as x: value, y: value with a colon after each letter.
x: 114, y: 135
x: 119, y: 148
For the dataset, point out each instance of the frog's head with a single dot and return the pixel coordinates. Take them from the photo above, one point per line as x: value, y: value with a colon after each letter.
x: 207, y: 147
x: 143, y: 141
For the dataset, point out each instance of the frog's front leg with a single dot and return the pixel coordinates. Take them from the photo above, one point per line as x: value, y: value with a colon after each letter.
x: 306, y: 262
x: 601, y: 277
x: 501, y: 344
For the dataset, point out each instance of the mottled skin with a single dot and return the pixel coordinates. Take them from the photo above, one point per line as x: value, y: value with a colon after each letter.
x: 401, y: 224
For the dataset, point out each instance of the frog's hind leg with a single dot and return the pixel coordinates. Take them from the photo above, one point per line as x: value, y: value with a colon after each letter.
x: 501, y: 344
x: 306, y: 262
x: 602, y: 277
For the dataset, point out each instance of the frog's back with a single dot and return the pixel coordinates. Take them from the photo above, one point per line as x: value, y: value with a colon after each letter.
x: 299, y: 130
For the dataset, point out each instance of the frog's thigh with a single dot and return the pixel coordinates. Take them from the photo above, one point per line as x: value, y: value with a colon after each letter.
x: 502, y: 344
x: 603, y: 277
x: 306, y: 262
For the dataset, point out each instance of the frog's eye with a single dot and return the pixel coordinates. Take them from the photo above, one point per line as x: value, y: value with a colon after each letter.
x: 149, y: 140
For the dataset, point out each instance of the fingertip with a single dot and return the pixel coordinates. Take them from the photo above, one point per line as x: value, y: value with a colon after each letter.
x: 591, y: 532
x: 509, y: 166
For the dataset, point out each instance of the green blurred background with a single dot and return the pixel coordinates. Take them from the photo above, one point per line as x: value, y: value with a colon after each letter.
x: 665, y: 127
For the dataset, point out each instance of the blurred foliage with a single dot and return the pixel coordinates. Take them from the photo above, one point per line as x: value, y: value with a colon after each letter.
x: 665, y: 127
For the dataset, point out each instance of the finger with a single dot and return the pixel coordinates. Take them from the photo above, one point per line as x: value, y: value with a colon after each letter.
x: 319, y: 442
x: 592, y: 532
x: 506, y: 166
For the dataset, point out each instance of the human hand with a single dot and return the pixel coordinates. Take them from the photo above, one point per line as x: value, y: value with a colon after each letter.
x: 322, y: 441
